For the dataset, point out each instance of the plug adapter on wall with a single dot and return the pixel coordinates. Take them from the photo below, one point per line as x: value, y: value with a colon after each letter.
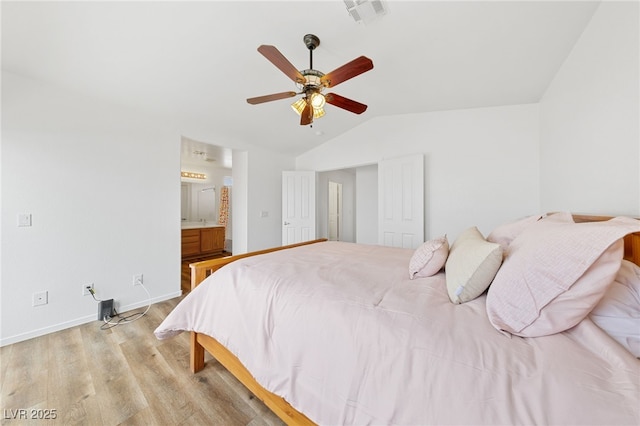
x: 86, y: 289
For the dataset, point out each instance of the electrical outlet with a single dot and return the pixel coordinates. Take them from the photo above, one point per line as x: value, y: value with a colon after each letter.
x: 24, y: 220
x: 40, y: 298
x: 86, y: 289
x: 137, y: 279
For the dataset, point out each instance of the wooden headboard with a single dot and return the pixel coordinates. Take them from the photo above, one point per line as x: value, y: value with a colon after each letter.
x: 631, y: 241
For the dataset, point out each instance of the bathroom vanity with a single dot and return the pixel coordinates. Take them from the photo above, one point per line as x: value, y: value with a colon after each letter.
x: 202, y: 240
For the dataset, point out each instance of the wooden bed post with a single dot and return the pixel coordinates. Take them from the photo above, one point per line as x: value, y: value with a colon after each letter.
x: 633, y: 251
x: 202, y: 342
x: 196, y: 359
x: 197, y: 276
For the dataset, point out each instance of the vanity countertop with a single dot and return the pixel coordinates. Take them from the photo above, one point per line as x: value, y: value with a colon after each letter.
x: 198, y: 225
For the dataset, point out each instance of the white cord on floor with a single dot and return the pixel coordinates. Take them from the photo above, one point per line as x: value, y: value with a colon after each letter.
x: 123, y: 320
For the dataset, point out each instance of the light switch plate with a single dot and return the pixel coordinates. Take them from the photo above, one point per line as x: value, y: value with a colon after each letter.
x: 24, y: 219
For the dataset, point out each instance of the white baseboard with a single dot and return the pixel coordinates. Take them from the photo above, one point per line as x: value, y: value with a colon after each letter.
x: 79, y: 321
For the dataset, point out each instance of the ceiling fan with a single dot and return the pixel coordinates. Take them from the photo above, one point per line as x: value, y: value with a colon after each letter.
x: 312, y: 82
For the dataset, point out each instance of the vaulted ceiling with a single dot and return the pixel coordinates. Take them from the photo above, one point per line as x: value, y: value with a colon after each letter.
x: 197, y: 61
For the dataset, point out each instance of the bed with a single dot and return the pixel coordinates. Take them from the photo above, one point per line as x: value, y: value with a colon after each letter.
x: 294, y: 325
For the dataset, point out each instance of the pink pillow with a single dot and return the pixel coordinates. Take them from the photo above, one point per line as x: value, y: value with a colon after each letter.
x: 555, y: 273
x: 429, y: 258
x: 505, y: 233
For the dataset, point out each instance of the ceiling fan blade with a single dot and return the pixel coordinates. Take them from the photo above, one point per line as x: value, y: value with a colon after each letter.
x: 307, y: 115
x: 347, y: 71
x: 283, y: 64
x: 345, y: 103
x: 269, y: 98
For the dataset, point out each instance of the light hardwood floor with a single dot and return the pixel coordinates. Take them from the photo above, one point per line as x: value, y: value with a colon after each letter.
x: 123, y: 375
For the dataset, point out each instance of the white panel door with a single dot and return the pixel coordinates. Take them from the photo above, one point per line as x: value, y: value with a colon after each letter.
x: 401, y: 201
x: 298, y: 206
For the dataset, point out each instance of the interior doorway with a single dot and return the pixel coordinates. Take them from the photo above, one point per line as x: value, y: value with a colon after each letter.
x: 336, y: 200
x: 201, y: 196
x: 335, y: 211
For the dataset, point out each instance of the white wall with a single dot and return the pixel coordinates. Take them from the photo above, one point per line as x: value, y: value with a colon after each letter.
x: 367, y: 204
x: 481, y: 165
x: 577, y: 150
x: 101, y: 183
x: 257, y: 188
x: 240, y: 201
x: 589, y: 119
x: 265, y: 195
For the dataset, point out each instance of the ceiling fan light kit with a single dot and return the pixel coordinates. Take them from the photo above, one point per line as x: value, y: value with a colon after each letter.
x: 317, y: 100
x: 311, y: 83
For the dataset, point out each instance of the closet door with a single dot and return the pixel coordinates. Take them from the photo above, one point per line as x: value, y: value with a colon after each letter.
x: 401, y: 201
x: 298, y: 206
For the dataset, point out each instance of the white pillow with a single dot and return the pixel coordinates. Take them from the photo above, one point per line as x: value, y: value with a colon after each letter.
x: 555, y: 273
x: 429, y: 258
x: 618, y: 313
x: 472, y: 264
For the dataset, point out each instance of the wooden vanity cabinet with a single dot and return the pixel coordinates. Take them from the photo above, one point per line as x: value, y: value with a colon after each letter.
x: 212, y: 240
x: 190, y: 242
x: 202, y: 241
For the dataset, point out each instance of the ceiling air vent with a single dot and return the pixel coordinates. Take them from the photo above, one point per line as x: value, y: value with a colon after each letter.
x: 365, y: 11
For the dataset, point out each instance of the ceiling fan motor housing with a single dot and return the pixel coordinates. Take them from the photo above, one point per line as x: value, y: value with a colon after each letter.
x: 311, y: 41
x: 312, y: 81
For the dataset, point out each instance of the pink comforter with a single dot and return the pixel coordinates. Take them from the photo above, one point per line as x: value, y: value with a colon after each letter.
x: 341, y: 333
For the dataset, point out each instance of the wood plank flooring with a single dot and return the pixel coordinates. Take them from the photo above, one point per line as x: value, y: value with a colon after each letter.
x: 123, y: 375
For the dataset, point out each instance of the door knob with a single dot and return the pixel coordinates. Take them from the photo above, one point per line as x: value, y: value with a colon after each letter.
x: 287, y: 223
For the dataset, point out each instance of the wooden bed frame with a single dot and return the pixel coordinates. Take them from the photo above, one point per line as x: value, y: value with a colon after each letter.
x: 631, y: 241
x: 202, y: 342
